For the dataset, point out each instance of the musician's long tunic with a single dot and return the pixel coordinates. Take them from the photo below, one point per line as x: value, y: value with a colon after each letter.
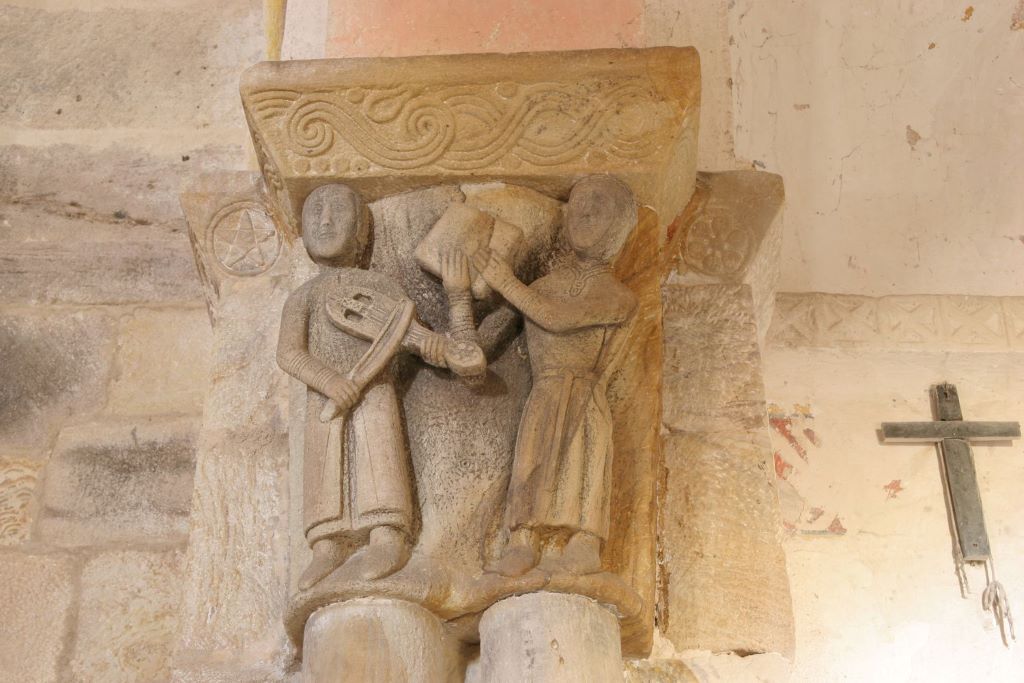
x: 356, y: 467
x: 561, y: 476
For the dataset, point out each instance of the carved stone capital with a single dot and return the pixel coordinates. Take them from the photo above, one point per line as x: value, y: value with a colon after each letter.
x: 541, y: 120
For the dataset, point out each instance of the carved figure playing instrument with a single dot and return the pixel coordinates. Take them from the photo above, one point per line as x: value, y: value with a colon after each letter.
x: 339, y: 334
x: 576, y: 320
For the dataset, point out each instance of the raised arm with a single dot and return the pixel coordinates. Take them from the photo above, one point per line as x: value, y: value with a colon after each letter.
x: 294, y: 358
x: 553, y: 315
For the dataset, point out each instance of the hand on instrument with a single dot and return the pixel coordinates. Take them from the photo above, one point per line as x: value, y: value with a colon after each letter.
x: 455, y: 271
x: 344, y: 392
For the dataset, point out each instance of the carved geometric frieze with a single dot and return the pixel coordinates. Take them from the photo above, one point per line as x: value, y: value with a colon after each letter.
x: 920, y: 322
x: 540, y: 120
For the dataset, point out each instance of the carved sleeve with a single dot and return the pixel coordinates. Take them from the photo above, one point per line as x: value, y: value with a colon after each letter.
x: 460, y: 317
x: 293, y: 348
x: 542, y: 310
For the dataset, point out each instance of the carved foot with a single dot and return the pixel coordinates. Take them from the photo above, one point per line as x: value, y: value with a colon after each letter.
x: 327, y: 556
x: 387, y: 552
x: 581, y: 555
x: 520, y: 555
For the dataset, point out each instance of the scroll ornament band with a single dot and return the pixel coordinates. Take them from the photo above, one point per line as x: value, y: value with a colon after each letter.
x: 462, y: 128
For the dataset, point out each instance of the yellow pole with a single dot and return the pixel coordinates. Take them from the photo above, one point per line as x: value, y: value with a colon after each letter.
x: 273, y: 18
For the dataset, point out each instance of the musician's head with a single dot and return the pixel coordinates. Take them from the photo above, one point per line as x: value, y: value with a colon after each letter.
x: 600, y: 215
x: 335, y: 225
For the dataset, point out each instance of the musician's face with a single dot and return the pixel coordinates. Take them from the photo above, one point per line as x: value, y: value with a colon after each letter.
x: 331, y: 223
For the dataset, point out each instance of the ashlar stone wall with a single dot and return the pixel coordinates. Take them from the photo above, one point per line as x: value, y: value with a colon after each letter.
x: 108, y: 108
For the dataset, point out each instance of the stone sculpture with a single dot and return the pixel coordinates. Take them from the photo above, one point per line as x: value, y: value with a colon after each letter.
x: 561, y: 476
x: 339, y: 335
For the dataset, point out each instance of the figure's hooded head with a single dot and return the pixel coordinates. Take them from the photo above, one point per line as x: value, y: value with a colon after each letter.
x: 600, y: 215
x: 335, y: 225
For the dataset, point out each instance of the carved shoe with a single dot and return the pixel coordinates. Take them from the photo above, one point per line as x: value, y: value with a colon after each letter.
x: 515, y: 561
x: 581, y: 555
x: 387, y: 552
x: 326, y: 558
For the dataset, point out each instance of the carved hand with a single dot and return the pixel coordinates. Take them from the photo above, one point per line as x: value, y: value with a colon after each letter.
x: 493, y: 268
x: 344, y: 392
x: 455, y: 271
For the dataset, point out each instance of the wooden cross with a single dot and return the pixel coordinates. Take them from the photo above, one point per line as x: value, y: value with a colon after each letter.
x: 955, y: 436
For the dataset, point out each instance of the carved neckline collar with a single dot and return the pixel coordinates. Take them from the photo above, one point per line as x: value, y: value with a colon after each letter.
x: 583, y: 273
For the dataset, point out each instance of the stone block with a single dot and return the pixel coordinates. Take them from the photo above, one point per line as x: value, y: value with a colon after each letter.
x: 723, y: 571
x: 236, y: 578
x: 110, y: 190
x: 36, y: 594
x: 712, y: 360
x: 126, y: 67
x: 723, y: 566
x: 162, y: 363
x: 127, y: 617
x: 120, y: 482
x: 19, y: 479
x: 51, y: 365
x: 97, y: 272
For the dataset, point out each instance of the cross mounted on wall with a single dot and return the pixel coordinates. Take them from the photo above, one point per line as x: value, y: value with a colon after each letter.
x: 954, y: 436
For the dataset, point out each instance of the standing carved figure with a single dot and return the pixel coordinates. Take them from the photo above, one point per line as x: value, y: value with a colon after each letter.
x: 576, y: 319
x: 339, y: 335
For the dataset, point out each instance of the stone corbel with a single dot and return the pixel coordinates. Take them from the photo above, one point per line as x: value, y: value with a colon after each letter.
x: 231, y: 229
x: 731, y: 233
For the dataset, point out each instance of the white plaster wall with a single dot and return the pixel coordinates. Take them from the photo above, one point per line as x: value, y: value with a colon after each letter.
x: 897, y: 125
x: 868, y: 549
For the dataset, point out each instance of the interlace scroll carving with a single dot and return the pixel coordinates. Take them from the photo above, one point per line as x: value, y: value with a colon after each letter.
x: 463, y: 128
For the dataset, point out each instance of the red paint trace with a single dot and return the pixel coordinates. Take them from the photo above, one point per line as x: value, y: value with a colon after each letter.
x: 782, y: 468
x: 814, y: 515
x: 836, y: 527
x: 784, y: 426
x: 893, y: 488
x: 812, y: 436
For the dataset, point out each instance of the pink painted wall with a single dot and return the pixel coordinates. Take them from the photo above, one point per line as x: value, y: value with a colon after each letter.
x: 392, y: 28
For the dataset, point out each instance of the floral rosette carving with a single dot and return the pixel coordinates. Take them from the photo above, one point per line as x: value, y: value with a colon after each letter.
x: 716, y: 246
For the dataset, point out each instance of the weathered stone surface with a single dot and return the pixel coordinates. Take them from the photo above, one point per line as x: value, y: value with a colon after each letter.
x: 36, y: 593
x: 127, y: 617
x: 110, y: 190
x: 723, y: 572
x: 385, y: 641
x: 162, y: 363
x: 184, y: 77
x: 51, y: 365
x: 236, y: 570
x: 731, y: 231
x: 712, y: 356
x: 119, y: 481
x: 19, y: 479
x: 97, y: 272
x: 549, y: 637
x: 230, y: 229
x: 658, y: 671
